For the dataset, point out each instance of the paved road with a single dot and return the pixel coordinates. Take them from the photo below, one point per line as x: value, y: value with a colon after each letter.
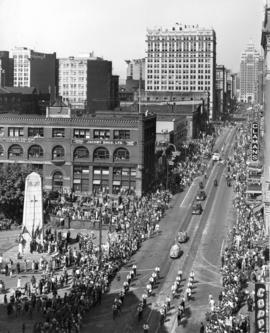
x: 204, y: 232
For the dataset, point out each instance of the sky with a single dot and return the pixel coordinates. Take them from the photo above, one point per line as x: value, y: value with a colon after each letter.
x: 116, y: 29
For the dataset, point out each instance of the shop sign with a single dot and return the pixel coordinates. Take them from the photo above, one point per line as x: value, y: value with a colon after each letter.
x: 106, y: 142
x: 260, y: 308
x: 254, y: 141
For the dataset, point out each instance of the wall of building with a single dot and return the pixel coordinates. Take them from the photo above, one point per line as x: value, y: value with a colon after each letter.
x: 43, y: 73
x: 99, y: 82
x: 83, y: 173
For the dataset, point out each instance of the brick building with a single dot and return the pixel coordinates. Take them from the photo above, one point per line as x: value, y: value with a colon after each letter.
x: 83, y: 154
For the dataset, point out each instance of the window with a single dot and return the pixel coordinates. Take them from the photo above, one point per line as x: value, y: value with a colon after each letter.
x: 1, y: 150
x: 100, y: 179
x: 15, y: 151
x: 121, y: 134
x: 81, y: 152
x: 15, y: 131
x: 35, y: 152
x: 121, y: 154
x: 2, y: 131
x: 35, y: 131
x: 101, y: 154
x: 57, y: 182
x: 58, y: 153
x: 101, y: 134
x: 81, y: 133
x: 58, y: 132
x: 123, y: 178
x: 80, y: 178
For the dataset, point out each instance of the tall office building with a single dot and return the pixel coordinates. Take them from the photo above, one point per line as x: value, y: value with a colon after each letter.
x: 6, y: 69
x: 86, y: 82
x: 250, y: 67
x: 182, y: 59
x: 35, y: 69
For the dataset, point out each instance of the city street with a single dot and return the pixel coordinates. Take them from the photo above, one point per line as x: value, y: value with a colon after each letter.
x: 202, y: 253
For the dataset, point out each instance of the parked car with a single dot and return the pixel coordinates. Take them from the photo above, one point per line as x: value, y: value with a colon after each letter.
x: 175, y: 251
x: 196, y: 208
x: 216, y: 156
x: 201, y: 196
x: 182, y: 236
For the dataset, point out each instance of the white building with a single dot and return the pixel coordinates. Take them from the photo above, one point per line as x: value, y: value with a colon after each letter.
x: 250, y: 66
x: 136, y: 69
x: 181, y: 59
x: 72, y: 79
x: 22, y: 66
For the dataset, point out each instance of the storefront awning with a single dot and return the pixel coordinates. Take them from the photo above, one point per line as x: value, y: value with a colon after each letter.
x: 254, y: 189
x: 117, y: 182
x: 96, y: 181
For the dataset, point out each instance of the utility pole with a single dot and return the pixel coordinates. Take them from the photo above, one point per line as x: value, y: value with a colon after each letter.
x: 100, y: 242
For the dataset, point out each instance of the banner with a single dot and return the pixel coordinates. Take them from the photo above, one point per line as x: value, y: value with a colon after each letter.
x: 255, y: 141
x: 260, y: 308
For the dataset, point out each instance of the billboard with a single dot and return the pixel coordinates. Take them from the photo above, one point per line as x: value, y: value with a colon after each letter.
x: 260, y: 308
x: 255, y: 141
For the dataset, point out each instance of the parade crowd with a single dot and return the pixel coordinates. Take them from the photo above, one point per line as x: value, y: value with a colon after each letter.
x: 244, y: 258
x: 80, y: 266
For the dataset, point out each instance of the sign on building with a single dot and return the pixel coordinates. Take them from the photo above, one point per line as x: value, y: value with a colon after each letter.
x: 260, y: 307
x: 255, y: 141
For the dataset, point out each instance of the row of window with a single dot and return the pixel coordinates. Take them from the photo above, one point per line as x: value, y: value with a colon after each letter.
x: 58, y: 153
x: 164, y: 88
x: 60, y: 132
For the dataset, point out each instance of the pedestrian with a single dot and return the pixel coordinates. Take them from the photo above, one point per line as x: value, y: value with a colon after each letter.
x: 145, y: 328
x: 168, y: 302
x: 134, y: 268
x: 202, y: 329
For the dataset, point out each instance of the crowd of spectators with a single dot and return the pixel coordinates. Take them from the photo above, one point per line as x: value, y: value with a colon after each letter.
x: 82, y: 266
x: 244, y: 258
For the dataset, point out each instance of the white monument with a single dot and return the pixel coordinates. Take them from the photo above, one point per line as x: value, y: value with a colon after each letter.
x: 32, y: 226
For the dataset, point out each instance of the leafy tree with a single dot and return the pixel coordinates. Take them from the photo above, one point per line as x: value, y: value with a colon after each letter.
x: 12, y: 181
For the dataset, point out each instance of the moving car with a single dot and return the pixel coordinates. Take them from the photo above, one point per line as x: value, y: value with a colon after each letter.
x: 175, y: 251
x: 196, y: 208
x: 182, y: 236
x: 216, y: 156
x: 201, y: 196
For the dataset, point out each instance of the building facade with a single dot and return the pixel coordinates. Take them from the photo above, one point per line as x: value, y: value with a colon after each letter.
x: 250, y: 66
x: 136, y: 69
x: 35, y: 69
x: 86, y: 82
x: 82, y: 154
x: 182, y: 59
x: 6, y: 69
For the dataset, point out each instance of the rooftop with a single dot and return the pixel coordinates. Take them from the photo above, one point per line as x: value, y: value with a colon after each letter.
x: 18, y: 90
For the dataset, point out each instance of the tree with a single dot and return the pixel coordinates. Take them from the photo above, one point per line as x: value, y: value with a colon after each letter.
x: 12, y: 182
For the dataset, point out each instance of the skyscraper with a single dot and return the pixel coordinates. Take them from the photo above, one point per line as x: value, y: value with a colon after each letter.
x: 86, y: 82
x: 250, y: 65
x: 35, y: 69
x: 182, y: 59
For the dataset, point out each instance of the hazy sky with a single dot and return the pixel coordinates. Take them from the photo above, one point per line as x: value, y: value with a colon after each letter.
x: 116, y: 29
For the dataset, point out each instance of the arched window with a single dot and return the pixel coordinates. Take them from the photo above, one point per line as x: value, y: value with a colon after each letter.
x: 57, y: 181
x: 35, y: 151
x: 58, y: 153
x: 101, y: 154
x: 121, y: 154
x: 15, y: 151
x: 81, y: 152
x: 1, y: 150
